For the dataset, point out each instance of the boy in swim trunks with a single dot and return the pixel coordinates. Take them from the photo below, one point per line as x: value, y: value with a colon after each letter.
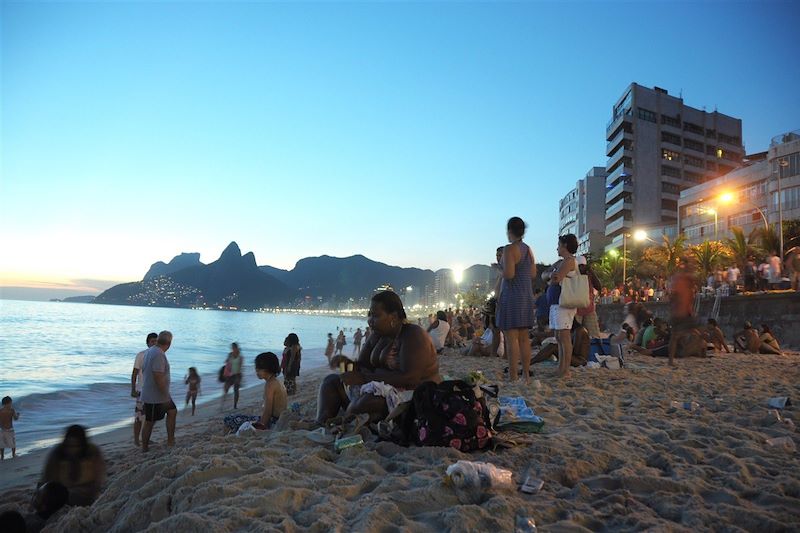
x: 7, y: 438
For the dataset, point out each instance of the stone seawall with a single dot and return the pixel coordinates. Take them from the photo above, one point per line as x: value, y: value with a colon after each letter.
x: 781, y: 312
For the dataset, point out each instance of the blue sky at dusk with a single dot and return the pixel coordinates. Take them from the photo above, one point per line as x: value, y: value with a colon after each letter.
x: 406, y: 132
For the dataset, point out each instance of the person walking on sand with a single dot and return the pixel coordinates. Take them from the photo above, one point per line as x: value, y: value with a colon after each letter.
x: 329, y: 348
x: 192, y: 381
x: 136, y: 389
x: 357, y: 336
x: 155, y: 390
x: 515, y: 306
x: 7, y: 437
x: 233, y: 374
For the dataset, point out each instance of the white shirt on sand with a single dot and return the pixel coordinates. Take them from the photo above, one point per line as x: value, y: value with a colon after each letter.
x: 138, y: 363
x: 439, y: 335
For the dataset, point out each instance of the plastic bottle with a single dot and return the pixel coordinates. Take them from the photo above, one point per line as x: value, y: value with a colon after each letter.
x: 472, y: 479
x: 785, y: 443
x: 689, y: 406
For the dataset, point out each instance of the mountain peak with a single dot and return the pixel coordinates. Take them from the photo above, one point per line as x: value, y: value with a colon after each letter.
x: 232, y: 251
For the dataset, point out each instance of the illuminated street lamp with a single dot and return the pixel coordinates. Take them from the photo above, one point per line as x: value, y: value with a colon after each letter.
x: 727, y: 198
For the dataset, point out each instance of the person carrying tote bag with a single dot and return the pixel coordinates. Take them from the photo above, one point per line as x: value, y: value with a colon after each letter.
x: 568, y: 290
x: 575, y: 289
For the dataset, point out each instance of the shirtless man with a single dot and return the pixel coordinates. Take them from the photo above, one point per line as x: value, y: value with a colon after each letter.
x: 686, y: 340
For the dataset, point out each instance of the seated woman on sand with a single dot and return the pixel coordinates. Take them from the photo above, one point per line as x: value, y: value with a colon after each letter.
x: 747, y: 340
x: 769, y: 344
x: 78, y: 465
x: 714, y: 336
x: 396, y: 358
x: 275, y: 397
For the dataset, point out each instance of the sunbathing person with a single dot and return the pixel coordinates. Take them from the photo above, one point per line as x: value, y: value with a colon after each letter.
x: 396, y: 358
x: 747, y: 340
x: 769, y: 344
x: 580, y: 347
x: 713, y: 335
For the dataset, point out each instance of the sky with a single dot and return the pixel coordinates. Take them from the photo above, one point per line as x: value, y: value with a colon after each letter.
x: 407, y: 132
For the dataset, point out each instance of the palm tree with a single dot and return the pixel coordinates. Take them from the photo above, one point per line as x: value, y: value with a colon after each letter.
x: 709, y: 254
x: 668, y: 254
x: 769, y: 239
x: 742, y: 248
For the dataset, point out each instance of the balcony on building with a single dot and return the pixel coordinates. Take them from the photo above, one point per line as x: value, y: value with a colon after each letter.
x: 622, y: 187
x: 622, y: 204
x: 622, y: 135
x: 616, y: 122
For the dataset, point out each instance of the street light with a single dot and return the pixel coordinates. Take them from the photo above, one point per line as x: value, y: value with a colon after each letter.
x: 727, y: 198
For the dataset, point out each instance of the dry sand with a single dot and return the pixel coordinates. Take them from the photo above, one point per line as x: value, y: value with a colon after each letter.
x: 613, y: 456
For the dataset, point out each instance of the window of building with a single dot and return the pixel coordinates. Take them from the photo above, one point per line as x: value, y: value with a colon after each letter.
x: 671, y: 121
x: 711, y: 133
x: 669, y: 155
x: 694, y: 145
x: 730, y: 139
x: 790, y: 198
x: 693, y: 128
x: 670, y: 138
x: 711, y: 149
x: 693, y: 161
x: 695, y: 177
x: 670, y: 188
x: 669, y: 205
x: 646, y: 114
x: 672, y: 172
x: 741, y: 219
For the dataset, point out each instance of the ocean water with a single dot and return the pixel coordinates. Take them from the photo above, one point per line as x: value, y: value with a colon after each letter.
x: 70, y: 363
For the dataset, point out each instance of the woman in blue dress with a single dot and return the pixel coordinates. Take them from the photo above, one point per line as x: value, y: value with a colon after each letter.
x: 515, y: 306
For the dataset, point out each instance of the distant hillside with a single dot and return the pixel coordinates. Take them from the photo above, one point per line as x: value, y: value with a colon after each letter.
x: 179, y: 262
x: 346, y: 277
x: 233, y: 280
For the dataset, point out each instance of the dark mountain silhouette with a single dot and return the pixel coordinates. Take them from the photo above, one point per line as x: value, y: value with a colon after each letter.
x: 233, y: 280
x: 179, y: 262
x: 346, y: 277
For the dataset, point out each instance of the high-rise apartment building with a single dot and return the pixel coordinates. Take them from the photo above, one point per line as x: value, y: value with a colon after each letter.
x: 582, y: 212
x: 656, y: 147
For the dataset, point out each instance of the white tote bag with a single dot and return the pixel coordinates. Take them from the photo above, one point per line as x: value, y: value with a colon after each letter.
x: 575, y: 290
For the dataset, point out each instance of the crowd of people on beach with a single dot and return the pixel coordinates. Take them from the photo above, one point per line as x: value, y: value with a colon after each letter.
x: 395, y: 356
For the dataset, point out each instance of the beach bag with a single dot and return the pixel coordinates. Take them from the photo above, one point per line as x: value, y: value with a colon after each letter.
x: 221, y: 376
x: 449, y: 414
x: 575, y: 290
x: 588, y: 310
